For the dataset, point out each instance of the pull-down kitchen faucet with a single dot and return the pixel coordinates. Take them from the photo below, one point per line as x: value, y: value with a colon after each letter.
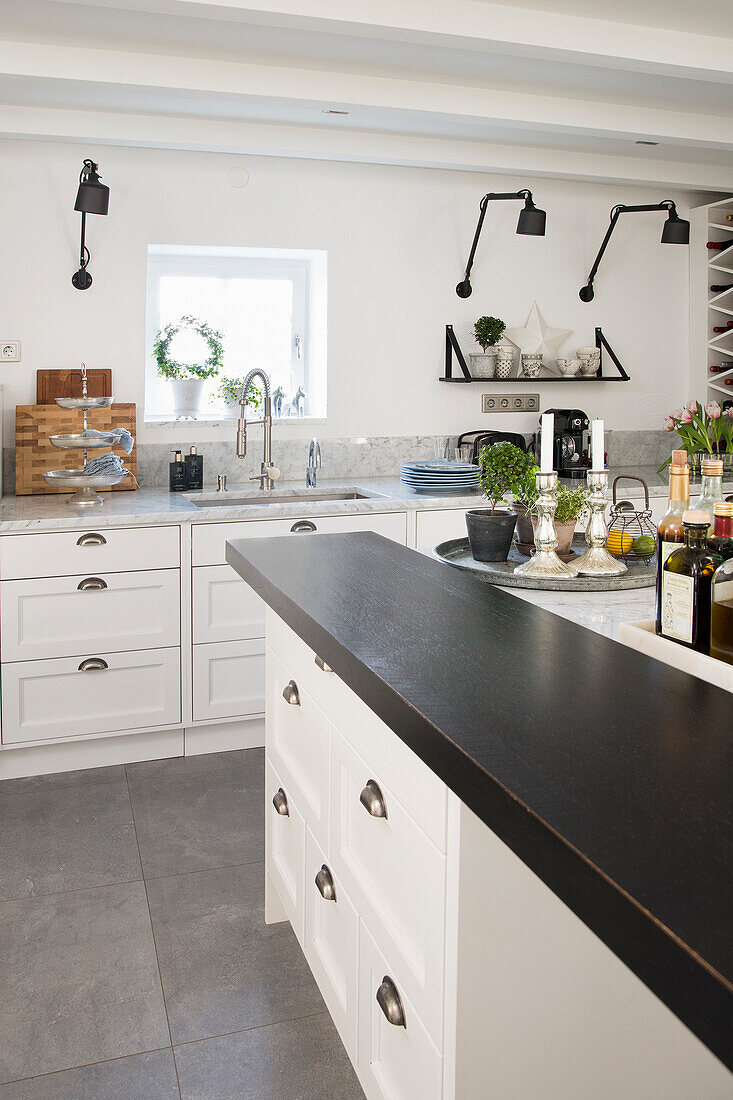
x: 268, y: 474
x: 314, y: 463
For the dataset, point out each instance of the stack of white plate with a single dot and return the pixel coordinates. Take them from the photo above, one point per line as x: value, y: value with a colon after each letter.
x: 438, y: 476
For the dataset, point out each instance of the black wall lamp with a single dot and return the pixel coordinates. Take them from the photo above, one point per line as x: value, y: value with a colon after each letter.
x: 91, y: 198
x: 675, y: 231
x: 531, y: 222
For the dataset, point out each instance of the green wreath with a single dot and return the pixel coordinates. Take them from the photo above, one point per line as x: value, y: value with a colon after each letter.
x: 169, y: 368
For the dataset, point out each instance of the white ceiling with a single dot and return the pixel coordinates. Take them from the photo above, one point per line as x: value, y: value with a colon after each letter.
x: 95, y: 69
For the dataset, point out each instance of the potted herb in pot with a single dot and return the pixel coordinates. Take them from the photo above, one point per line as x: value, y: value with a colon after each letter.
x: 187, y: 379
x: 488, y: 332
x: 228, y: 393
x: 490, y: 530
x: 525, y: 497
x: 572, y: 505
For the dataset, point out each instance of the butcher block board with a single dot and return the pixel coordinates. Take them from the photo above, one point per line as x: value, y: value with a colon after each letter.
x: 51, y: 384
x: 34, y: 454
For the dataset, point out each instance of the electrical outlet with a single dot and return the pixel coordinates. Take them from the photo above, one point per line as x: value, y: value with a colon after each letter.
x: 10, y: 351
x: 510, y: 402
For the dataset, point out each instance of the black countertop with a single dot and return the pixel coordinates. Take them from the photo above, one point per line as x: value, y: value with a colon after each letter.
x: 607, y: 772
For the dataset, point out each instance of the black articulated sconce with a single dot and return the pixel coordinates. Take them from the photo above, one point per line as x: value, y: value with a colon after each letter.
x: 91, y: 198
x: 676, y: 231
x: 531, y: 223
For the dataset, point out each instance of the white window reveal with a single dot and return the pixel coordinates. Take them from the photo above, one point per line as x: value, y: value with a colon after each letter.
x: 269, y: 304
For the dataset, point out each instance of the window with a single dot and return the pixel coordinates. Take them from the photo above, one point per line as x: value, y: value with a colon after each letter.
x: 269, y: 305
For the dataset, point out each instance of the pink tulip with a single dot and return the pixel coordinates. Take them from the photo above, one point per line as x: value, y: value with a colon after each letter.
x: 713, y: 410
x: 668, y: 424
x: 691, y: 407
x: 686, y: 417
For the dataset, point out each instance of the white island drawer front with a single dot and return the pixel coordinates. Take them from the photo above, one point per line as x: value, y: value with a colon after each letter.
x: 225, y: 608
x: 285, y: 845
x: 103, y: 693
x: 331, y: 941
x: 297, y: 737
x: 64, y: 553
x: 210, y: 539
x: 228, y: 680
x: 395, y: 1062
x: 394, y: 874
x: 66, y: 616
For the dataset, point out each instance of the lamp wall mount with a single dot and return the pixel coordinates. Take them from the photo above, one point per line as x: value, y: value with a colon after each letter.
x: 531, y: 222
x: 91, y: 198
x: 676, y: 231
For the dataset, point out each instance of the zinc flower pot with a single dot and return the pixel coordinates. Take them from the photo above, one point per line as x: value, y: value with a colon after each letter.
x: 490, y: 535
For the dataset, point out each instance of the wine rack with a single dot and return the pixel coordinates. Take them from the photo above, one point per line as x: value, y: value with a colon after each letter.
x: 712, y: 309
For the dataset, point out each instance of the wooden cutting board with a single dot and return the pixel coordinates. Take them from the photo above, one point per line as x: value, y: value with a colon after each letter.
x: 34, y: 454
x: 51, y: 384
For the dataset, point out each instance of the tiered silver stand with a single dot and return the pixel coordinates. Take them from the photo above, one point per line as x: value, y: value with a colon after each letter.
x: 86, y: 485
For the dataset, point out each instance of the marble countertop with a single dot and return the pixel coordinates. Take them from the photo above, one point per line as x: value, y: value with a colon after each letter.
x: 602, y: 612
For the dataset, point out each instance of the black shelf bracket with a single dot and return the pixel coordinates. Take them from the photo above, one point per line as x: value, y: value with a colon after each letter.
x: 453, y: 348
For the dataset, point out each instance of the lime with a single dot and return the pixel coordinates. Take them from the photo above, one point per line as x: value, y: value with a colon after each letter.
x: 644, y: 546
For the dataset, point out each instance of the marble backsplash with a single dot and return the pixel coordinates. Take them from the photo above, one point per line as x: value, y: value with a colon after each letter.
x: 359, y: 456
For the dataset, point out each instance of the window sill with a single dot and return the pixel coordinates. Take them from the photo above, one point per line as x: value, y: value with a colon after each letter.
x: 215, y: 421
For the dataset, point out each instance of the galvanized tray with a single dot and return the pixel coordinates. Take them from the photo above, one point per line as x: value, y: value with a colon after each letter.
x: 457, y: 552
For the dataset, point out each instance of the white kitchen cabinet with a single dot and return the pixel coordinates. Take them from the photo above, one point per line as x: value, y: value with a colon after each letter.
x: 89, y: 552
x: 331, y: 941
x: 67, y: 616
x: 228, y: 680
x: 101, y: 693
x: 442, y: 524
x: 285, y: 842
x: 225, y: 609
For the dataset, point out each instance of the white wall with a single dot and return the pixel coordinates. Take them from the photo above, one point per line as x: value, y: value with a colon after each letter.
x: 397, y: 240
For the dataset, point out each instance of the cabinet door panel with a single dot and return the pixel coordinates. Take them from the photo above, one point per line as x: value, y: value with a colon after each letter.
x: 225, y: 608
x: 439, y: 525
x: 228, y: 680
x: 285, y: 848
x: 89, y: 551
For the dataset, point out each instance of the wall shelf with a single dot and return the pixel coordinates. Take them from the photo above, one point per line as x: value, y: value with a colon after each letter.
x: 452, y: 347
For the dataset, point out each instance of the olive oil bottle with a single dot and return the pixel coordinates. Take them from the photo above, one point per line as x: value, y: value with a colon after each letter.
x: 670, y: 533
x: 686, y: 586
x: 721, y: 594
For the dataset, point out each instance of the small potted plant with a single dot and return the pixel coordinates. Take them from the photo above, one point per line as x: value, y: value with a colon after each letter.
x: 572, y: 505
x: 187, y: 379
x: 228, y: 393
x: 525, y: 497
x: 501, y: 468
x: 487, y: 331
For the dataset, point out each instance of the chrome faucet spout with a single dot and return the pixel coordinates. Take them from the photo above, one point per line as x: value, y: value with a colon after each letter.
x: 268, y: 473
x: 314, y: 463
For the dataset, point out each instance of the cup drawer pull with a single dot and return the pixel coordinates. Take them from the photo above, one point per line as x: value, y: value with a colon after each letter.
x: 291, y: 694
x: 92, y: 538
x: 302, y: 526
x: 280, y: 802
x: 390, y: 1003
x: 324, y: 882
x: 322, y: 664
x: 91, y: 584
x: 372, y: 800
x: 93, y: 664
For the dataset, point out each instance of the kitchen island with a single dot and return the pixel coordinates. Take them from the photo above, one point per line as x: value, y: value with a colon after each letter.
x: 601, y: 776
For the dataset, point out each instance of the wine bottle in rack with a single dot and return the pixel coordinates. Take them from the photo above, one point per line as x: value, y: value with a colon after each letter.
x: 720, y: 288
x: 719, y: 246
x: 717, y: 368
x: 729, y: 217
x: 723, y: 328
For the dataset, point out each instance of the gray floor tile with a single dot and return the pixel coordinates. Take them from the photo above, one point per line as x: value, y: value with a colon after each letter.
x: 300, y: 1060
x: 78, y: 981
x: 223, y: 968
x: 149, y: 1076
x: 66, y: 832
x: 198, y: 812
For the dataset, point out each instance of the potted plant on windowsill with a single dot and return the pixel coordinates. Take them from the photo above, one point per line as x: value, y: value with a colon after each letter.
x: 487, y: 331
x: 228, y: 393
x: 501, y: 469
x: 187, y: 379
x: 572, y: 506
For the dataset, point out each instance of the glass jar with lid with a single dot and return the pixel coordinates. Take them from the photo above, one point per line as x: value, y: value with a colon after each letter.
x: 711, y: 489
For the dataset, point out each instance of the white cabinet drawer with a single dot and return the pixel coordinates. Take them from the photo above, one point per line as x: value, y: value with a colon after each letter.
x: 394, y: 874
x: 49, y: 699
x: 394, y: 1062
x: 331, y: 941
x: 68, y: 616
x: 228, y: 680
x: 64, y: 553
x: 285, y: 845
x: 225, y: 608
x: 442, y: 524
x: 209, y: 539
x: 297, y: 736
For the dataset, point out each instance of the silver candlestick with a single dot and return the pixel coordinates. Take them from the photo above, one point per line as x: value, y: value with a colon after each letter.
x: 596, y: 561
x: 545, y: 562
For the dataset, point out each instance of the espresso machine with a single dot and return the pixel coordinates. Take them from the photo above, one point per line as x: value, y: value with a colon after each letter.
x: 570, y: 448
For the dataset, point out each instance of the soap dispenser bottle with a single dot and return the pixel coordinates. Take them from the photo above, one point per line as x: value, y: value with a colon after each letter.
x: 177, y: 473
x: 194, y: 470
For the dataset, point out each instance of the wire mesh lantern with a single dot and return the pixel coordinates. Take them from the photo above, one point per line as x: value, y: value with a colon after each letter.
x: 627, y: 526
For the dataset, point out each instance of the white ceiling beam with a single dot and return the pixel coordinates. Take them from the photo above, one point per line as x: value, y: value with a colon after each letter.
x: 507, y: 108
x: 267, y: 139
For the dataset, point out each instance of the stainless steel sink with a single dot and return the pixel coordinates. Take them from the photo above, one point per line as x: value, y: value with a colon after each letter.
x: 256, y: 498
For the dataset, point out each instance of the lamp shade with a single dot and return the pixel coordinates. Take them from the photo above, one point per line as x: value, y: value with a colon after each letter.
x: 531, y: 220
x: 676, y: 230
x: 92, y: 196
